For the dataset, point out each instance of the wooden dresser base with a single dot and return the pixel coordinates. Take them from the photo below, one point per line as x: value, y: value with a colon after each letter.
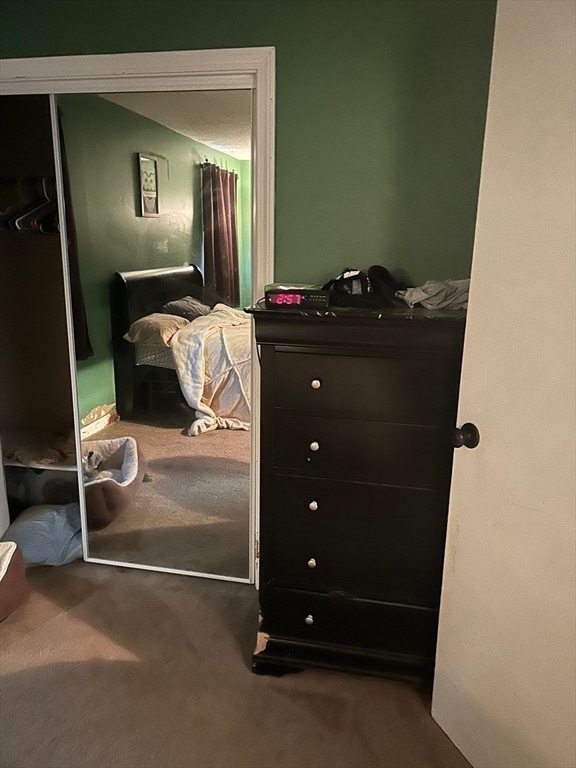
x: 283, y: 655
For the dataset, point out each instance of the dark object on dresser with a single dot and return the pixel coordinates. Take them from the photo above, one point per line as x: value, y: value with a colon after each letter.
x: 358, y: 418
x: 352, y: 289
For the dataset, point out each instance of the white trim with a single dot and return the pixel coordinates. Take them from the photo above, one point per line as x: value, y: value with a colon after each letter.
x: 231, y: 68
x: 161, y: 569
x: 69, y: 322
x: 122, y: 72
x: 98, y: 424
x: 262, y: 269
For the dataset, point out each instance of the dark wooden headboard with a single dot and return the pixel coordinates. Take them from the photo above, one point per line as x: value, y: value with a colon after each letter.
x: 134, y: 295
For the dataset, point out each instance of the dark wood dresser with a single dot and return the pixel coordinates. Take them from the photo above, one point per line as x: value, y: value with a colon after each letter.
x: 358, y: 420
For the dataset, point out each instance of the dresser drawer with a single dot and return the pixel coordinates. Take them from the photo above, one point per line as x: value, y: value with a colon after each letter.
x: 339, y: 621
x: 346, y: 448
x: 407, y: 390
x: 364, y: 539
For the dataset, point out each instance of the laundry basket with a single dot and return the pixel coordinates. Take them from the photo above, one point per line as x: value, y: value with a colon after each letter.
x: 14, y: 586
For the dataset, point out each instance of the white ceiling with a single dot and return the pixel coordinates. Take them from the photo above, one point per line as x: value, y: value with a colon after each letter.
x: 220, y: 119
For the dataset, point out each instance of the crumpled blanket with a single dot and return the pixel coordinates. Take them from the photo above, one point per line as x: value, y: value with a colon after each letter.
x: 438, y: 294
x: 212, y: 356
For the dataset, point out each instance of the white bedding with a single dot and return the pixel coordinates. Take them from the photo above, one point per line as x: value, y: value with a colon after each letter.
x: 212, y: 360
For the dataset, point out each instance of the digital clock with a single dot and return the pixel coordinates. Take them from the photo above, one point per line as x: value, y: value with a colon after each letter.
x: 295, y: 296
x: 285, y: 298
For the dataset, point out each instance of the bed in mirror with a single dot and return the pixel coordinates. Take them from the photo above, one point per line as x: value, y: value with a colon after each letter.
x: 164, y: 378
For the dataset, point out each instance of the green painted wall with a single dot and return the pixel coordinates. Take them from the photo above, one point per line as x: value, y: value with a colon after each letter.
x: 102, y: 141
x: 380, y: 113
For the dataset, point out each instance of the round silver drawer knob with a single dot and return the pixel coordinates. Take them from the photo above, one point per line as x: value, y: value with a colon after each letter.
x: 314, y: 446
x: 315, y: 383
x: 309, y: 619
x: 312, y: 563
x: 313, y: 506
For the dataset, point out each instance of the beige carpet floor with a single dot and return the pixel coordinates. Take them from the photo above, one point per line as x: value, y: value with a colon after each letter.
x: 108, y: 667
x: 194, y: 514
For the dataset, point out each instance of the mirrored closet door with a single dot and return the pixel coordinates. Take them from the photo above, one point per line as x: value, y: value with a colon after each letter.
x: 158, y: 201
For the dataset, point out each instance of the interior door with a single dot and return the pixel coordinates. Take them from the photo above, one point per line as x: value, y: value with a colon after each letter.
x: 505, y: 679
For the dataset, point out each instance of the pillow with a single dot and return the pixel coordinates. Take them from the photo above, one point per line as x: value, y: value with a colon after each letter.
x: 48, y: 535
x: 157, y: 328
x: 187, y: 307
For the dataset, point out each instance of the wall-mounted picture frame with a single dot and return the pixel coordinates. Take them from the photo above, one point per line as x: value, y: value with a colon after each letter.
x: 148, y: 175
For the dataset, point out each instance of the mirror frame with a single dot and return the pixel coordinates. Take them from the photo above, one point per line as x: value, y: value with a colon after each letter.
x: 215, y: 69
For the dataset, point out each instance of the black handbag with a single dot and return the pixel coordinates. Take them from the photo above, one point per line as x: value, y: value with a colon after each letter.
x: 350, y: 289
x: 354, y: 288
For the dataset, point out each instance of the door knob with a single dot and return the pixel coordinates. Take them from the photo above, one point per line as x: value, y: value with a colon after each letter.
x: 467, y: 435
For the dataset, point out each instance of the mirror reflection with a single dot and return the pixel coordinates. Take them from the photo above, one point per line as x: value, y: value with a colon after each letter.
x: 158, y: 222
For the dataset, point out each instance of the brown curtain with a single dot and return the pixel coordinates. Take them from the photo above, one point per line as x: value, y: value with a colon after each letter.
x: 219, y: 198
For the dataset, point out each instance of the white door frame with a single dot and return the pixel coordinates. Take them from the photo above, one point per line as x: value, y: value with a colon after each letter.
x: 231, y: 68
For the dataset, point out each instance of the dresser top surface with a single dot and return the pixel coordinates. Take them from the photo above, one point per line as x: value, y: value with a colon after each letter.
x: 400, y: 312
x: 398, y: 327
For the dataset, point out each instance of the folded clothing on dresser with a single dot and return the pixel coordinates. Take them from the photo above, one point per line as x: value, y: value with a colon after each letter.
x: 438, y: 294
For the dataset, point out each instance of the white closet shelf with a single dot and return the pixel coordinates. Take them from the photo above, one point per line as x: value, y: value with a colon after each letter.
x: 66, y: 466
x: 38, y: 450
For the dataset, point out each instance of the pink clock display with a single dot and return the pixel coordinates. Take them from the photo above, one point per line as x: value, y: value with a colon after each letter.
x: 285, y: 298
x: 297, y: 296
